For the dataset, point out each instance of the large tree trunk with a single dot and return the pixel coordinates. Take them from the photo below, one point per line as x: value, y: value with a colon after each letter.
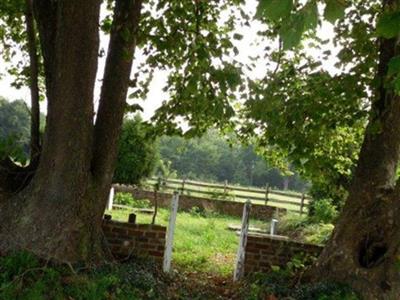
x: 364, y: 250
x: 58, y: 215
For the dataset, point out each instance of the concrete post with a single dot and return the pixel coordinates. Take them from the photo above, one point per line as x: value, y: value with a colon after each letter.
x: 170, y: 233
x: 239, y: 267
x: 110, y: 199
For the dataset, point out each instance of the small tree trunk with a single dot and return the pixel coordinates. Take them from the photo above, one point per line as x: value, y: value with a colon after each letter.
x: 113, y: 94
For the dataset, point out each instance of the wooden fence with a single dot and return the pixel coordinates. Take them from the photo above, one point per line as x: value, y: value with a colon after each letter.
x: 292, y: 201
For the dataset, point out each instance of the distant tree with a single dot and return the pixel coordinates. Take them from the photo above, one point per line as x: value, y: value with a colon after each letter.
x: 137, y: 153
x: 14, y: 127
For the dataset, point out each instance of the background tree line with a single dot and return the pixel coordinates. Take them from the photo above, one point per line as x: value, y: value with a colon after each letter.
x: 213, y: 157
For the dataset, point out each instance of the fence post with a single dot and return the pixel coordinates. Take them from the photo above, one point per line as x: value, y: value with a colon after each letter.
x: 155, y: 206
x: 183, y: 185
x: 266, y: 193
x: 239, y: 267
x: 302, y: 203
x: 162, y: 183
x: 170, y: 233
x: 225, y: 187
x: 110, y: 199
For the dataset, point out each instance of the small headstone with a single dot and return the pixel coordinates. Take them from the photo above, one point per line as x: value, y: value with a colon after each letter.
x: 132, y: 218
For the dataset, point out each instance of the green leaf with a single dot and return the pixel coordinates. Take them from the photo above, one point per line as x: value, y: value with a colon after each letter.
x: 310, y: 12
x: 238, y: 36
x: 292, y: 31
x: 334, y: 10
x: 388, y: 25
x: 274, y: 9
x: 394, y: 66
x: 396, y: 85
x: 133, y: 108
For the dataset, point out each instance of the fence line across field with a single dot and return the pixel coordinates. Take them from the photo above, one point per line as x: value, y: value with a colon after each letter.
x: 228, y: 192
x: 229, y: 187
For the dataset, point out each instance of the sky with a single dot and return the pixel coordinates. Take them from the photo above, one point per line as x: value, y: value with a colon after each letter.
x: 247, y: 47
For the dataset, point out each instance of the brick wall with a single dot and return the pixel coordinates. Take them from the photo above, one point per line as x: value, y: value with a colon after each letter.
x: 144, y: 240
x: 264, y: 251
x: 186, y: 203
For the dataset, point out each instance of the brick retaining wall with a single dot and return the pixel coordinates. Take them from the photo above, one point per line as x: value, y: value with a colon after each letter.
x: 127, y: 239
x: 264, y: 251
x: 186, y: 203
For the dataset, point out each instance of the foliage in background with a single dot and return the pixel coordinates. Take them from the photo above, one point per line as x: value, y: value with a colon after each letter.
x: 137, y: 152
x: 14, y: 129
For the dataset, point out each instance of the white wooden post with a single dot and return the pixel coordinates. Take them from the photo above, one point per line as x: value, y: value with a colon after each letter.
x: 239, y: 267
x: 110, y: 199
x: 170, y: 233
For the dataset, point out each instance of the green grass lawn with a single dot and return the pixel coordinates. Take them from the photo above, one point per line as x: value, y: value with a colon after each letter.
x: 202, y: 242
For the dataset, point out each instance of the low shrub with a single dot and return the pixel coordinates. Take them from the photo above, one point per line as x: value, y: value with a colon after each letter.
x: 129, y: 200
x: 305, y: 229
x: 324, y: 211
x: 217, y: 194
x: 292, y: 222
x: 317, y: 233
x: 198, y: 211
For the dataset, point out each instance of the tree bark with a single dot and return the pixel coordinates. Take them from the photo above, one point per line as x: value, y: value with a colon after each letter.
x: 365, y: 246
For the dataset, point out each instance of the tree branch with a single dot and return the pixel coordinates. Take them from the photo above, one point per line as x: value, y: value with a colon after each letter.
x: 115, y: 87
x: 33, y: 82
x: 45, y: 13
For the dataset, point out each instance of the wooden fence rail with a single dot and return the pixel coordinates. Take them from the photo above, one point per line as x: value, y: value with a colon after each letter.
x: 230, y: 187
x: 297, y: 201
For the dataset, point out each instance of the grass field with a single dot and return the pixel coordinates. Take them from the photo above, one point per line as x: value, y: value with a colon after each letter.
x: 202, y: 242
